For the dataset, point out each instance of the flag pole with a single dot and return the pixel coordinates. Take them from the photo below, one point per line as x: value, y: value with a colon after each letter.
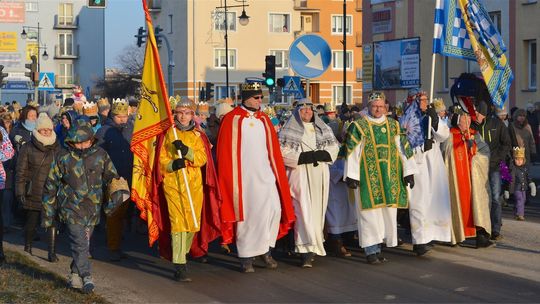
x: 431, y: 92
x: 186, y: 183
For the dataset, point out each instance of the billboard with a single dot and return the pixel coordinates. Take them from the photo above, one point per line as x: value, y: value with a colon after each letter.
x: 367, y: 67
x: 12, y: 12
x: 8, y: 42
x: 396, y: 64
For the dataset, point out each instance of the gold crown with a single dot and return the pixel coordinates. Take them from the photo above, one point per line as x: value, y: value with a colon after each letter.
x: 203, y: 107
x: 103, y: 102
x: 90, y: 109
x: 78, y: 106
x: 270, y: 111
x: 254, y: 86
x: 439, y: 105
x: 519, y: 152
x: 329, y: 107
x: 120, y: 107
x: 376, y: 95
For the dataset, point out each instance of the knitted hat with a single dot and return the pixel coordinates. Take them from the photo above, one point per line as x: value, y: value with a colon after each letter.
x: 68, y: 102
x: 44, y: 122
x: 119, y: 107
x: 251, y: 89
x: 90, y: 109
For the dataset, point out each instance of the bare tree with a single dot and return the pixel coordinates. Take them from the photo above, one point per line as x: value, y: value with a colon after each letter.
x: 122, y: 83
x: 131, y: 60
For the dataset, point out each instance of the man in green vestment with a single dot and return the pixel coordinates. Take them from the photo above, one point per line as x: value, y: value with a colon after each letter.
x: 379, y: 166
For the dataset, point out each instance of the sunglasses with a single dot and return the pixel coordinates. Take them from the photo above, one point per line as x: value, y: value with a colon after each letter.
x: 258, y: 97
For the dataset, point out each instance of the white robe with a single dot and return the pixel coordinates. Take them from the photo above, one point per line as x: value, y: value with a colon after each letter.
x: 377, y: 225
x: 309, y: 191
x: 341, y: 211
x: 429, y: 206
x: 262, y: 209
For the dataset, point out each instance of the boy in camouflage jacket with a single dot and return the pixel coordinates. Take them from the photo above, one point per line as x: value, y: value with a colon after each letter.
x: 74, y: 191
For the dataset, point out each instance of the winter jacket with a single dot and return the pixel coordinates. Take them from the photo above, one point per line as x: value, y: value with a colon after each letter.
x: 522, y: 136
x: 497, y: 136
x: 6, y: 153
x: 74, y: 187
x: 19, y: 136
x: 520, y: 178
x: 116, y: 141
x: 32, y: 169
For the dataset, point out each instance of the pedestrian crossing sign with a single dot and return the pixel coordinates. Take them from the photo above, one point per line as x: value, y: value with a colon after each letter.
x: 46, y: 82
x: 292, y: 85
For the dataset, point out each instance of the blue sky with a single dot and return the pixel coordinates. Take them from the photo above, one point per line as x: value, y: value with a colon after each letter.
x: 122, y: 19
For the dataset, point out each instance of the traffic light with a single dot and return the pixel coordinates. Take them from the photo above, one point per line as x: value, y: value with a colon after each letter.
x: 96, y: 3
x: 280, y: 82
x: 141, y: 36
x: 209, y: 94
x: 2, y: 74
x: 32, y: 67
x: 270, y: 71
x: 157, y: 31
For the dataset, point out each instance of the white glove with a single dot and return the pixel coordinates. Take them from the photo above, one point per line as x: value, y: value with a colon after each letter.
x: 533, y: 189
x: 506, y: 194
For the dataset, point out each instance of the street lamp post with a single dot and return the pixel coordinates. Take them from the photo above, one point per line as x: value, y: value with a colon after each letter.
x: 45, y: 55
x: 243, y: 20
x: 345, y: 53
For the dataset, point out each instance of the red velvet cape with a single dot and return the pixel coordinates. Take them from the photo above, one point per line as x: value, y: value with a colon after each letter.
x: 230, y: 167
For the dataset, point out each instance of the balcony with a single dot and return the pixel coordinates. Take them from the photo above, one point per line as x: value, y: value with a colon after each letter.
x: 154, y: 6
x: 62, y: 54
x: 66, y: 23
x: 302, y: 32
x: 300, y: 4
x: 358, y: 39
x: 65, y: 82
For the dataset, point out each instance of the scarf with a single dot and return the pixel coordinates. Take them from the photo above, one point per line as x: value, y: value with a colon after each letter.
x: 292, y: 132
x: 180, y: 127
x: 46, y: 141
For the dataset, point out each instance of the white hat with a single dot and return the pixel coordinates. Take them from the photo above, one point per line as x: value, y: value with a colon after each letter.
x: 44, y: 122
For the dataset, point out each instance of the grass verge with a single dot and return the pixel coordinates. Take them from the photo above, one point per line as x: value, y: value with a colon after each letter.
x: 24, y: 281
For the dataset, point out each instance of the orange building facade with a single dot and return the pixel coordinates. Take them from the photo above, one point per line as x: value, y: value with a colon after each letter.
x: 325, y: 18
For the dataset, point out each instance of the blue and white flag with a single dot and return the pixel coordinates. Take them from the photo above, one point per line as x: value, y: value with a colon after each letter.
x: 464, y: 30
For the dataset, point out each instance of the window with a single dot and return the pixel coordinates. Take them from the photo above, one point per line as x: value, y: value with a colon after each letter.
x: 337, y: 25
x: 496, y: 19
x: 65, y: 41
x: 282, y: 59
x: 445, y: 73
x: 170, y: 24
x: 219, y: 58
x: 279, y: 23
x: 337, y: 60
x: 221, y: 92
x: 337, y: 94
x: 31, y: 6
x: 219, y: 21
x: 65, y: 14
x: 66, y: 74
x: 532, y: 64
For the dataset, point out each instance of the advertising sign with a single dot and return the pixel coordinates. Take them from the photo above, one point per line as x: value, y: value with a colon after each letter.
x: 8, y: 42
x: 397, y: 64
x: 382, y: 20
x: 12, y: 12
x: 10, y: 60
x: 31, y: 49
x: 367, y: 67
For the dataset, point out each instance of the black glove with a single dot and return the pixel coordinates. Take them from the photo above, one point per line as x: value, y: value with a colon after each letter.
x: 352, y: 183
x: 434, y: 117
x: 322, y: 156
x: 21, y: 199
x: 307, y: 157
x: 178, y: 164
x: 409, y: 181
x: 179, y: 145
x: 428, y: 144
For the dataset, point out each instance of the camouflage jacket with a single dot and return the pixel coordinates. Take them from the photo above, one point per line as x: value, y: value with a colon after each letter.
x: 74, y: 186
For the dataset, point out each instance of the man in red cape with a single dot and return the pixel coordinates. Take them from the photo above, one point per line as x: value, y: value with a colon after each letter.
x: 257, y: 206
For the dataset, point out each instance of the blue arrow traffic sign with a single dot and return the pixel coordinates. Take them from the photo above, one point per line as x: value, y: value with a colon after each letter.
x: 310, y: 56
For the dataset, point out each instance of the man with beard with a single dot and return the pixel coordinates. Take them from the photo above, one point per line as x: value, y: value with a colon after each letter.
x: 115, y: 137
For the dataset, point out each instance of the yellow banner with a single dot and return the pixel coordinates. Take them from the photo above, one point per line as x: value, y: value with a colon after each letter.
x: 32, y: 49
x: 154, y: 117
x: 8, y: 42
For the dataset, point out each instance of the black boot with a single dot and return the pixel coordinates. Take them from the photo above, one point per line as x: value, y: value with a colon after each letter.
x: 269, y: 261
x: 180, y: 273
x: 307, y: 259
x: 421, y: 249
x: 52, y: 245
